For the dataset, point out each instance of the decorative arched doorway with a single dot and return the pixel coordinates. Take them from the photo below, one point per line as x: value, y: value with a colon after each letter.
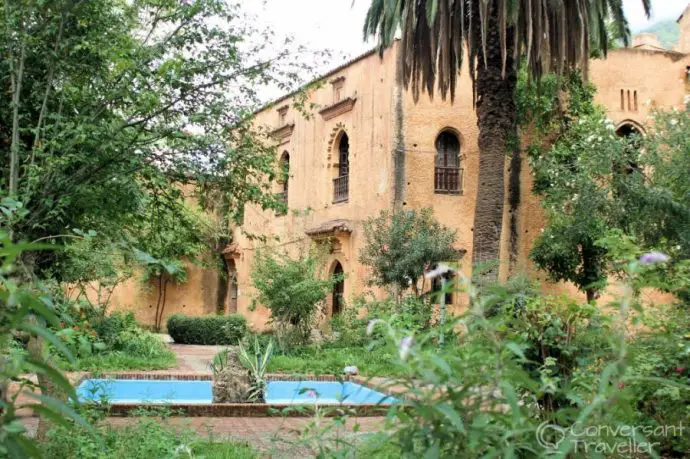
x: 338, y: 290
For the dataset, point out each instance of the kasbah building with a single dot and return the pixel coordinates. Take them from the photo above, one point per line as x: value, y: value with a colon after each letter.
x: 370, y: 147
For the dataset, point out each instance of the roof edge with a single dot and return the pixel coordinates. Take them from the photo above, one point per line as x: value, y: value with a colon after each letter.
x: 337, y: 69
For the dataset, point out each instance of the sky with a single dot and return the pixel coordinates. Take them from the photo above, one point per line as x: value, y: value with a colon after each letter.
x: 336, y: 25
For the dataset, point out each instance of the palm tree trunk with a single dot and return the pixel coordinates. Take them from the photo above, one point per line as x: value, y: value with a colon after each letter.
x: 497, y: 122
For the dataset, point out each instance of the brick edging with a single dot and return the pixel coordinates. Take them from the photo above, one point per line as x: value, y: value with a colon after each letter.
x: 241, y: 409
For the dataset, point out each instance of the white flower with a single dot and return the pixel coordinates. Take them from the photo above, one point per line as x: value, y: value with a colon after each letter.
x: 405, y: 347
x: 184, y: 451
x: 372, y: 325
x: 673, y: 122
x: 351, y: 370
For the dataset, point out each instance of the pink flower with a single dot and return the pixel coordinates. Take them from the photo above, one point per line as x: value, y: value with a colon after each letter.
x: 311, y: 393
x: 621, y: 385
x: 651, y: 258
x: 384, y: 248
x: 679, y: 370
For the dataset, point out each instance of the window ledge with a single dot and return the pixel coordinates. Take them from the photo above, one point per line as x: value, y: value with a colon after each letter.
x: 338, y: 108
x: 282, y: 132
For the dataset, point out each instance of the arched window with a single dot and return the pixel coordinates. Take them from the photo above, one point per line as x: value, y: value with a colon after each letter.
x: 448, y: 175
x: 284, y: 179
x: 633, y: 135
x: 341, y: 182
x: 338, y: 290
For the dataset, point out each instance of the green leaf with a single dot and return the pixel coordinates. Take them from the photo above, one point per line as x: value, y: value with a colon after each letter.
x: 516, y: 349
x: 29, y: 447
x: 56, y: 377
x: 50, y: 337
x: 452, y: 415
x: 63, y: 409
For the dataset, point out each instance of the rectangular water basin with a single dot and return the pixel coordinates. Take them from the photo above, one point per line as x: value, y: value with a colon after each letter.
x: 184, y: 392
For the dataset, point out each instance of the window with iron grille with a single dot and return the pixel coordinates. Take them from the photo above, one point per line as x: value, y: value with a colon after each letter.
x: 341, y: 182
x: 447, y: 173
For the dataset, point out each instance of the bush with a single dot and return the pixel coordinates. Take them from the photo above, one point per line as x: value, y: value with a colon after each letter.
x: 147, y: 438
x: 662, y: 353
x: 411, y: 314
x: 292, y: 289
x: 208, y: 329
x: 110, y: 327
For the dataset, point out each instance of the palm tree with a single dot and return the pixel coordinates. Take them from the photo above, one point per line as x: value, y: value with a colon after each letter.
x: 550, y: 35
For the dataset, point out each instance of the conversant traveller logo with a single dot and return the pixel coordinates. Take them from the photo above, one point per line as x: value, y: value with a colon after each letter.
x: 625, y: 440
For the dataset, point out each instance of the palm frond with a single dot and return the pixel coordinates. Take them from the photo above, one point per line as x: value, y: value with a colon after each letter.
x: 552, y: 35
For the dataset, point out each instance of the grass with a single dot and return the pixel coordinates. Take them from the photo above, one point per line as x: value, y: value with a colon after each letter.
x: 332, y: 360
x: 223, y: 450
x: 145, y: 438
x: 120, y: 361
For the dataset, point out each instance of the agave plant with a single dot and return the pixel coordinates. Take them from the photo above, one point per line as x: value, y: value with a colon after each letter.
x: 220, y: 361
x: 255, y: 360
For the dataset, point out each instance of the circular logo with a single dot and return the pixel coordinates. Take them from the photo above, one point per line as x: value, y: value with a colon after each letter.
x: 550, y: 435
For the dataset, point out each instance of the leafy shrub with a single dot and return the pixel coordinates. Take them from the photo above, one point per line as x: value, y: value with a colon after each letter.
x: 562, y: 341
x: 399, y: 245
x: 146, y: 439
x: 110, y: 327
x: 219, y: 330
x: 411, y: 314
x: 663, y: 353
x: 292, y: 289
x: 141, y: 343
x: 348, y: 327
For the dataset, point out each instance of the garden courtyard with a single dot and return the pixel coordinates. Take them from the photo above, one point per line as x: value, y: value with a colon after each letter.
x: 470, y: 241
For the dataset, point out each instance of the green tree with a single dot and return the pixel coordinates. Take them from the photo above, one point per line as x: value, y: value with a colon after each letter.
x: 598, y: 187
x: 438, y: 34
x: 399, y: 245
x: 291, y: 288
x: 111, y: 102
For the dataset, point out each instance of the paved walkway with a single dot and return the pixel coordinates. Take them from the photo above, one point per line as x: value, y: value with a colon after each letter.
x: 192, y: 358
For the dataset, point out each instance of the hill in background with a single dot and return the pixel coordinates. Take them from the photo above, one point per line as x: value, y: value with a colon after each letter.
x: 668, y: 32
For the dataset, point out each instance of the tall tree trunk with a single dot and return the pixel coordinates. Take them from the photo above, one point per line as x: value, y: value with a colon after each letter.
x: 48, y: 388
x: 159, y: 317
x: 158, y: 302
x: 497, y: 122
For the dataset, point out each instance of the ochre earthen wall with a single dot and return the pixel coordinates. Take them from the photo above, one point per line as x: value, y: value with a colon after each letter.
x: 377, y: 124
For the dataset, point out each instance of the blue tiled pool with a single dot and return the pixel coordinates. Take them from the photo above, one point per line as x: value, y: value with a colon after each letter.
x: 134, y: 391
